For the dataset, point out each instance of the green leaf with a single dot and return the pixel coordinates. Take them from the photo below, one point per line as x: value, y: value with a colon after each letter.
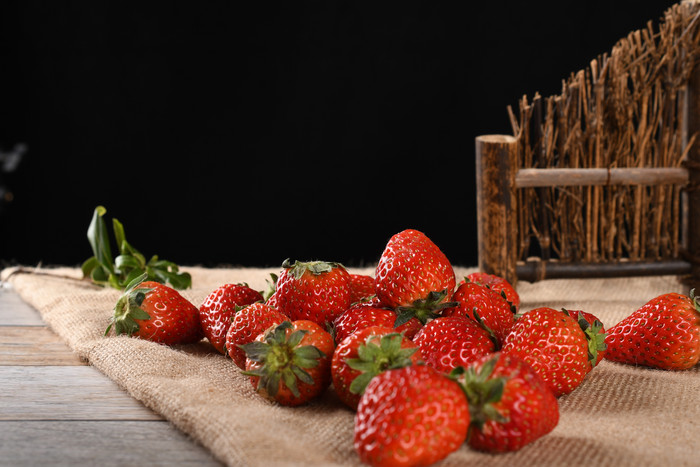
x: 104, y: 269
x: 89, y: 265
x: 99, y: 238
x: 119, y: 235
x: 180, y: 281
x: 126, y: 261
x: 99, y: 274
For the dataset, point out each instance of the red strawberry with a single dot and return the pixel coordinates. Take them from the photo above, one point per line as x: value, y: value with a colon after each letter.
x: 362, y: 286
x: 510, y: 404
x: 499, y: 285
x: 364, y: 314
x: 414, y: 276
x: 595, y: 333
x: 664, y: 333
x: 318, y: 291
x: 156, y: 312
x: 451, y: 341
x: 366, y: 353
x: 552, y: 342
x: 410, y: 416
x: 246, y: 325
x: 218, y: 308
x: 290, y: 363
x: 485, y: 306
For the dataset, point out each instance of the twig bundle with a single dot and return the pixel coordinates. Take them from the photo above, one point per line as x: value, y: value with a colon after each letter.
x: 627, y: 110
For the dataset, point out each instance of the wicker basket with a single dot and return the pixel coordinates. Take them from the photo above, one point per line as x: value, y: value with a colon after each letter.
x: 601, y: 180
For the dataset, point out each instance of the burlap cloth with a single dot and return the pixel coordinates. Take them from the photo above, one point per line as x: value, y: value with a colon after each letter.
x: 620, y: 415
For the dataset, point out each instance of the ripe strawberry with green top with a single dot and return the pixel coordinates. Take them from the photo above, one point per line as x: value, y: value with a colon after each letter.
x: 664, y: 333
x: 410, y: 416
x: 414, y: 277
x: 218, y: 308
x: 247, y: 324
x: 156, y: 312
x: 510, y: 405
x: 595, y: 333
x: 499, y: 285
x: 451, y: 341
x: 365, y: 354
x: 290, y: 363
x: 554, y: 344
x: 485, y: 306
x: 363, y: 314
x: 318, y: 291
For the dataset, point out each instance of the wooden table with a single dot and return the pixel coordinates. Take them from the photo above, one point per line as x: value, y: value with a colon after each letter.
x: 57, y: 410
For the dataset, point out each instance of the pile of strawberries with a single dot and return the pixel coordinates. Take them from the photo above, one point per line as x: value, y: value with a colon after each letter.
x: 427, y: 363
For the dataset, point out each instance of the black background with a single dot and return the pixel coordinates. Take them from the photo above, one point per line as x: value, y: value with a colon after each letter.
x: 244, y: 133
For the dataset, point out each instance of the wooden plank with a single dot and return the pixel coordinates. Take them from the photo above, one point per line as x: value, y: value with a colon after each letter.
x: 65, y: 393
x: 34, y: 345
x: 533, y: 271
x: 527, y: 178
x: 108, y: 443
x: 14, y: 312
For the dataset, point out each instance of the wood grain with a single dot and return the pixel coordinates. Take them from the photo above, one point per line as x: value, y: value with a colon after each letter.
x: 65, y: 393
x: 107, y: 443
x: 34, y: 345
x: 55, y: 410
x: 14, y: 312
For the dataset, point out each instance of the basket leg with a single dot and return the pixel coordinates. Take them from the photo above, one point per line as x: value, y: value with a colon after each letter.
x: 496, y: 167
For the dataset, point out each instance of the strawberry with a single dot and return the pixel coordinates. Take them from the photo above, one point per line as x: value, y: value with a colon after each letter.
x: 485, y: 306
x: 414, y: 276
x: 318, y: 291
x: 450, y: 341
x: 410, y: 416
x: 552, y: 342
x: 362, y: 286
x: 218, y: 308
x: 595, y: 333
x: 663, y: 333
x: 290, y: 363
x: 248, y: 324
x: 499, y: 285
x: 366, y: 353
x: 156, y: 312
x: 363, y: 314
x: 510, y: 405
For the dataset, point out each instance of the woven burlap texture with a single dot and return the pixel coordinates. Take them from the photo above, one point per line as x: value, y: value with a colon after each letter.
x: 621, y: 415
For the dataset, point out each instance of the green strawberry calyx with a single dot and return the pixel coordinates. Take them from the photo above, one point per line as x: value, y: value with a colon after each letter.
x: 128, y: 311
x: 482, y: 391
x: 596, y: 339
x: 298, y: 268
x: 695, y: 300
x: 283, y: 360
x: 271, y: 287
x: 424, y: 309
x: 373, y: 359
x: 594, y: 335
